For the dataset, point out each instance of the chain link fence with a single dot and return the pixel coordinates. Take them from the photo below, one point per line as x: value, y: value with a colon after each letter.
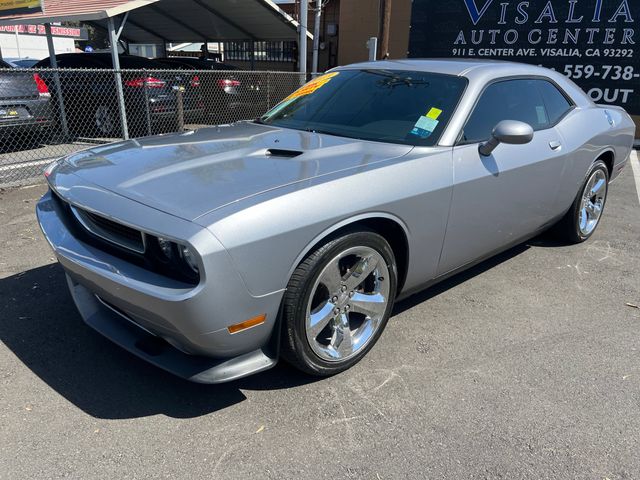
x: 49, y: 113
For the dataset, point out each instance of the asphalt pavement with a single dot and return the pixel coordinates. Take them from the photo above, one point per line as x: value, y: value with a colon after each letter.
x: 526, y: 366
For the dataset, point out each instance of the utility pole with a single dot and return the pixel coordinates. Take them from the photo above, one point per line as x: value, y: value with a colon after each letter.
x: 386, y: 27
x: 316, y: 36
x: 302, y: 47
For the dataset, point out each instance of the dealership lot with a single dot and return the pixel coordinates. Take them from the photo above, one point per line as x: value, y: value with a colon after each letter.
x: 526, y: 366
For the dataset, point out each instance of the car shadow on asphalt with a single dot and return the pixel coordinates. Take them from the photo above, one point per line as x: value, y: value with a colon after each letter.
x: 40, y: 325
x: 461, y: 277
x: 546, y: 239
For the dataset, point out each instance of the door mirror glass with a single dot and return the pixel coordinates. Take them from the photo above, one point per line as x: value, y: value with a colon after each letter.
x: 507, y: 131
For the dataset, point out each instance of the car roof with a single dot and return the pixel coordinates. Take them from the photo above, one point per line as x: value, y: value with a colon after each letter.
x: 463, y: 67
x: 104, y: 60
x: 478, y: 72
x: 198, y: 62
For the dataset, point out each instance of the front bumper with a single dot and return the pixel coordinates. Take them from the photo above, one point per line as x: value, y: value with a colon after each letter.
x: 119, y: 329
x: 131, y: 305
x: 33, y: 115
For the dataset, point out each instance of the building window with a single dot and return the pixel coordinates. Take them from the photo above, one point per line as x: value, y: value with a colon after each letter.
x: 144, y: 50
x: 263, y: 51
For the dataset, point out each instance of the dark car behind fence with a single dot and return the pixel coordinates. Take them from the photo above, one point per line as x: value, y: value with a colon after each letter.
x: 48, y: 113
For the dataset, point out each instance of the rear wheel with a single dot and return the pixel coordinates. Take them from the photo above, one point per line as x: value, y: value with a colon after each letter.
x: 585, y: 213
x: 105, y: 121
x: 338, y: 302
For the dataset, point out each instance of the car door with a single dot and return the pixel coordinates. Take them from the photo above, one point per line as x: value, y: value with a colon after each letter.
x: 500, y: 198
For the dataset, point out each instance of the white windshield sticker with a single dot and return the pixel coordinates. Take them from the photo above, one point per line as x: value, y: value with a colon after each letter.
x: 424, y: 126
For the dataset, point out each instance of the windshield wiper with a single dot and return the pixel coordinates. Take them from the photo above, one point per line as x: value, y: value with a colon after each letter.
x: 334, y: 134
x: 394, y: 79
x: 323, y: 132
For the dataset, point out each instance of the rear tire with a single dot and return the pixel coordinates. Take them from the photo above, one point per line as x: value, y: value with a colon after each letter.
x: 338, y: 302
x: 585, y: 213
x: 105, y: 121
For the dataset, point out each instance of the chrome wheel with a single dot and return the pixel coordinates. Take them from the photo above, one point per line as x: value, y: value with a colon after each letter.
x: 347, y: 303
x: 104, y: 120
x: 593, y: 198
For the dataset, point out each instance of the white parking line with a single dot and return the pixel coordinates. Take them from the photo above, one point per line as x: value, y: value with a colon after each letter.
x: 635, y: 166
x: 14, y: 166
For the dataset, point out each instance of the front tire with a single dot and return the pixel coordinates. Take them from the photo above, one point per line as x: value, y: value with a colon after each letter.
x: 585, y: 213
x: 338, y: 302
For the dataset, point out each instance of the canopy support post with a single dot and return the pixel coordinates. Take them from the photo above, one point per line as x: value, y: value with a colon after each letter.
x: 302, y: 47
x: 56, y: 79
x: 115, y: 59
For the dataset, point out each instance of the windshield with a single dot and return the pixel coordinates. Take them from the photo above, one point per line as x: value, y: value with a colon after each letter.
x: 394, y: 106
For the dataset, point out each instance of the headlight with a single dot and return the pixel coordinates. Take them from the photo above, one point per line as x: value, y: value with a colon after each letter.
x: 188, y: 257
x: 173, y: 256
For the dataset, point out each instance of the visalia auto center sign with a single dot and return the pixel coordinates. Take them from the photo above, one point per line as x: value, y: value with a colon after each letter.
x: 591, y: 41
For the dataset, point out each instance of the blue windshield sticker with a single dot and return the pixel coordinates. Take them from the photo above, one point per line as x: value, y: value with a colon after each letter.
x: 424, y: 126
x: 419, y: 132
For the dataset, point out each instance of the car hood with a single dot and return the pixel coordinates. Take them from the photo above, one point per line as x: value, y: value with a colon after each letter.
x: 193, y: 173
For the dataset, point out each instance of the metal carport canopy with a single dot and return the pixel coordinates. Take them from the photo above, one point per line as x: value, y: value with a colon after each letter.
x: 161, y: 21
x: 158, y: 21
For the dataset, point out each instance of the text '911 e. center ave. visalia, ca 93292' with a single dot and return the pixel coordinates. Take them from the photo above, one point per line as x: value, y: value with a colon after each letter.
x: 214, y: 252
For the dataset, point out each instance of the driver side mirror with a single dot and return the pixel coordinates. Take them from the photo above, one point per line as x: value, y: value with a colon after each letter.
x: 507, y: 131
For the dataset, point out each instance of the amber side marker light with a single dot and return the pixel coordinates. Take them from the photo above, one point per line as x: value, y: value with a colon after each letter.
x: 252, y: 322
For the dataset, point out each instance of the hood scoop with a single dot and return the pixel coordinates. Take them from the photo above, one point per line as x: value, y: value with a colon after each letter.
x: 279, y: 152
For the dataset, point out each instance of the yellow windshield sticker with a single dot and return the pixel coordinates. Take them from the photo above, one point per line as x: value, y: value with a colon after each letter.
x: 434, y: 113
x: 312, y: 86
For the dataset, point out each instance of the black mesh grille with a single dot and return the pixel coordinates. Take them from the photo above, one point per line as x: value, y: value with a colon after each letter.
x: 111, y: 231
x: 117, y: 229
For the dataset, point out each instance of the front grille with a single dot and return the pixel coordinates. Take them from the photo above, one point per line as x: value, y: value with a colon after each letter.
x: 114, y: 232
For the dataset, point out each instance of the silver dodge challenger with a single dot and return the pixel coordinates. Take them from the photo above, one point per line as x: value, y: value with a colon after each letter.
x: 214, y: 252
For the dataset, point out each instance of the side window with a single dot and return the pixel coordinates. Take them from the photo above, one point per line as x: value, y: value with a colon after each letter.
x: 73, y: 61
x: 63, y: 62
x: 506, y: 100
x: 556, y: 103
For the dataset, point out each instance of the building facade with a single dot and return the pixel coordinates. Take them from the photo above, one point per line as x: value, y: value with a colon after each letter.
x: 594, y: 42
x: 30, y: 41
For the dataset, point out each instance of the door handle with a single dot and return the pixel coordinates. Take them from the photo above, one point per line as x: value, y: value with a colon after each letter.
x: 554, y: 144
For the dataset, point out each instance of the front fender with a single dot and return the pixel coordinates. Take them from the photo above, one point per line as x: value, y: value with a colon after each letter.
x: 317, y: 240
x: 270, y: 234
